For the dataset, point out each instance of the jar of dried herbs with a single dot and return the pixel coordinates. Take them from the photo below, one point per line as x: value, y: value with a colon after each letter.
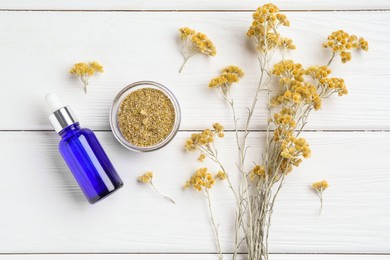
x: 145, y: 116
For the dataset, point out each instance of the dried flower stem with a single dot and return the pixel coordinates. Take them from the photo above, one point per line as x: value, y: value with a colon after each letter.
x: 302, y: 92
x: 215, y: 226
x: 161, y: 195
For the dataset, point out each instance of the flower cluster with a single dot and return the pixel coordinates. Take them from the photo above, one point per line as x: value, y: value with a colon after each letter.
x: 221, y: 175
x: 293, y: 148
x: 326, y: 86
x: 265, y: 22
x: 228, y: 76
x: 204, y: 139
x: 258, y: 171
x: 201, y: 179
x: 320, y: 185
x: 341, y: 43
x: 84, y: 70
x: 296, y: 90
x: 146, y: 178
x: 286, y: 43
x: 194, y: 42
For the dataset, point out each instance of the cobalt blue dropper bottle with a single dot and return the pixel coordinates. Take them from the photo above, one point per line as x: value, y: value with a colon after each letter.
x: 83, y: 153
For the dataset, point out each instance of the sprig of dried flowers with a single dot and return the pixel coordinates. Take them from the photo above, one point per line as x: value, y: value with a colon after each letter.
x: 84, y: 70
x: 301, y: 91
x: 202, y: 180
x: 193, y: 42
x: 319, y: 187
x: 147, y: 178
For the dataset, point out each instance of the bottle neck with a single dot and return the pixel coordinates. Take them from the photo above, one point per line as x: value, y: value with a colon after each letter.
x: 69, y: 130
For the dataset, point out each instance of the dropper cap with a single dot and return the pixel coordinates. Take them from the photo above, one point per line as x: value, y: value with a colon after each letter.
x: 61, y: 116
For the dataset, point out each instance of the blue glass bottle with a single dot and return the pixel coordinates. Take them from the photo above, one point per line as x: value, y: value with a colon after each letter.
x: 83, y: 154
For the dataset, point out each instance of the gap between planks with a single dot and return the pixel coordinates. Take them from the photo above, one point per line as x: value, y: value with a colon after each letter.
x: 189, y: 11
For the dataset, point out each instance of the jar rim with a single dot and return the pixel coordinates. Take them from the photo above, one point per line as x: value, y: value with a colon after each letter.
x: 113, y: 117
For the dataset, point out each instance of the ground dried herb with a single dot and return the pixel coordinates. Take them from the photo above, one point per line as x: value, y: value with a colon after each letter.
x: 146, y: 117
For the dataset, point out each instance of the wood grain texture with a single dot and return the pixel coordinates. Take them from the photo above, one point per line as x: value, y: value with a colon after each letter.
x: 186, y: 257
x: 38, y: 48
x: 189, y: 5
x: 43, y: 210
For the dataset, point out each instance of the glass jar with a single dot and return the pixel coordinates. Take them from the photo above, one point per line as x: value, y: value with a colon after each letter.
x: 115, y: 109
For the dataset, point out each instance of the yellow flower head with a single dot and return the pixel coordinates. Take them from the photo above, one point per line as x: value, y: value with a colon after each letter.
x: 320, y: 186
x: 200, y: 180
x: 84, y: 70
x: 257, y: 172
x: 221, y: 175
x: 286, y: 43
x: 229, y: 75
x: 146, y: 178
x: 204, y: 138
x: 294, y: 148
x: 201, y: 157
x: 194, y: 42
x: 266, y: 20
x: 341, y: 43
x: 185, y: 32
x: 203, y: 44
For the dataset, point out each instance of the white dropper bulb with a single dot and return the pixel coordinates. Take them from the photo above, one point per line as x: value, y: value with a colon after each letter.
x: 53, y: 101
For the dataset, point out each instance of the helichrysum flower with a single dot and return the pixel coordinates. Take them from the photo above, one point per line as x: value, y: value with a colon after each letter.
x: 148, y: 179
x: 193, y: 42
x: 201, y: 157
x: 229, y: 75
x: 221, y: 175
x: 258, y: 171
x: 340, y: 42
x: 201, y: 179
x: 204, y: 139
x: 84, y: 70
x: 266, y: 20
x: 320, y: 187
x: 286, y: 43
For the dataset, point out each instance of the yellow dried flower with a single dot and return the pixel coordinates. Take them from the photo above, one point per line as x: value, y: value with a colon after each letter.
x: 292, y: 149
x: 319, y: 187
x: 200, y: 180
x: 204, y: 139
x: 148, y: 179
x: 286, y: 43
x: 194, y: 42
x: 266, y: 20
x: 258, y: 171
x: 233, y: 70
x: 185, y: 32
x: 341, y: 42
x: 221, y: 175
x: 201, y: 157
x: 84, y: 70
x: 229, y: 75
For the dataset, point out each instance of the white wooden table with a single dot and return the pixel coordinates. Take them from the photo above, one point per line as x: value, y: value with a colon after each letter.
x: 43, y: 214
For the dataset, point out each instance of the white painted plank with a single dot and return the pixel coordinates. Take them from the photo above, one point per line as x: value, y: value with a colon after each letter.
x: 38, y: 48
x: 43, y: 210
x: 187, y: 257
x: 189, y: 5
